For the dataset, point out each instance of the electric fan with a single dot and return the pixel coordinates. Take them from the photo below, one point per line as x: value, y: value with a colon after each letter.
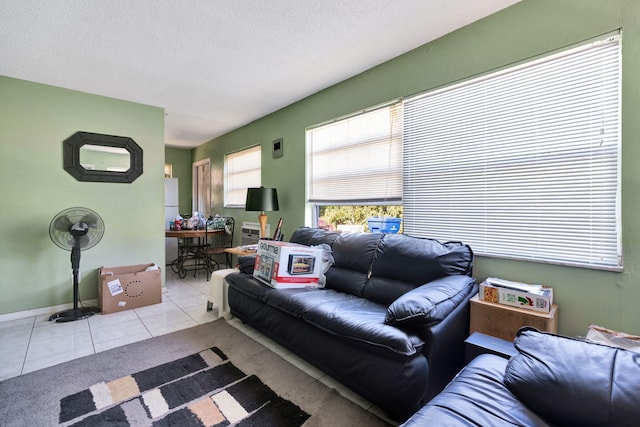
x: 75, y: 229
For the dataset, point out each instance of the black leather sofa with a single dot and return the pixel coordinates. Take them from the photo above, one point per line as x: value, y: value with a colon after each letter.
x: 390, y: 323
x: 552, y: 380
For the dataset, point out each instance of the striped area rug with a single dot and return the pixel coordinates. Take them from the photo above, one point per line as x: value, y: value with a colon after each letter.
x: 208, y: 375
x: 203, y: 389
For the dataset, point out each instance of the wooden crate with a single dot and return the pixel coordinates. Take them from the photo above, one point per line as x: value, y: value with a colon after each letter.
x: 503, y: 321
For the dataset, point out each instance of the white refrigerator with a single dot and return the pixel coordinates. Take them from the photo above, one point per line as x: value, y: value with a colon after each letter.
x: 171, y: 210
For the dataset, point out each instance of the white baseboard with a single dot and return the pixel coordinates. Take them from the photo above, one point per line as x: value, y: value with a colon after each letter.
x: 42, y: 310
x: 48, y: 310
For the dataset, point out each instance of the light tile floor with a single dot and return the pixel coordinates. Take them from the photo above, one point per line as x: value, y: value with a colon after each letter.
x: 33, y: 342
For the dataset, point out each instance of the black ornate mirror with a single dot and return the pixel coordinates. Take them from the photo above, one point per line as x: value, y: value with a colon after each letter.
x: 102, y: 158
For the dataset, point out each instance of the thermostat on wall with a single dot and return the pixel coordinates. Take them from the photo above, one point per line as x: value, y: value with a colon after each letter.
x: 277, y: 148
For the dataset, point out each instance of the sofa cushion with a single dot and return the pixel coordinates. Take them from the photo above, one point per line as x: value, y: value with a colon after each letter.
x: 297, y: 302
x: 348, y: 317
x: 353, y: 255
x: 574, y: 382
x: 417, y: 260
x: 362, y: 322
x: 404, y: 262
x: 313, y: 236
x: 476, y: 397
x: 246, y: 263
x: 248, y: 285
x: 356, y: 251
x: 431, y: 303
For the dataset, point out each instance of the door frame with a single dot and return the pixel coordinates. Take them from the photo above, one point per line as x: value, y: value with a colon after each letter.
x: 195, y: 193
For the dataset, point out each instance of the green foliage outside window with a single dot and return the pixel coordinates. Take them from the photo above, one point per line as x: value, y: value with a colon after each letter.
x: 329, y: 217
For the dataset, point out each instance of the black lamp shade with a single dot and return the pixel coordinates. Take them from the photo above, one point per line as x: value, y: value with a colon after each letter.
x: 262, y: 199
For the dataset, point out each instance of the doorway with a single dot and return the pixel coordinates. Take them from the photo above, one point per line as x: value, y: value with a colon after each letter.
x: 202, y: 187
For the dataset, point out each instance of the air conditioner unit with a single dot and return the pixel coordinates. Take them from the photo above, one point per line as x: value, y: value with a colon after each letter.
x: 251, y: 232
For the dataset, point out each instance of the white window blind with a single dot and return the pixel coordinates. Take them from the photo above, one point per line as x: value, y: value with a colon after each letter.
x: 357, y: 159
x: 522, y: 163
x: 242, y: 170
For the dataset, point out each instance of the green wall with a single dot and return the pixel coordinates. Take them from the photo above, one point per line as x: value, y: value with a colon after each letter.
x: 525, y: 30
x: 34, y: 120
x: 180, y: 158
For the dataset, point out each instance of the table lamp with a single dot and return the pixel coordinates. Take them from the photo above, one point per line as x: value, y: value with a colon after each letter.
x: 262, y: 199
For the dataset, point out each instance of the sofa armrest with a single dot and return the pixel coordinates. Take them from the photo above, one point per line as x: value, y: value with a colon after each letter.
x: 573, y: 382
x: 246, y: 263
x: 430, y: 303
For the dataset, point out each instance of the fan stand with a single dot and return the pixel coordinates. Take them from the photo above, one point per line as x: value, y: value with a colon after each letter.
x: 75, y: 313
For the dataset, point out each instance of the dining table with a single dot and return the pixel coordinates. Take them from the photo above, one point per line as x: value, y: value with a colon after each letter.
x: 186, y: 234
x: 191, y: 250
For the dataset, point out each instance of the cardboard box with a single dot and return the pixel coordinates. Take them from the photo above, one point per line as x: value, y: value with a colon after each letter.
x: 503, y: 321
x: 538, y: 301
x: 123, y: 288
x: 284, y: 265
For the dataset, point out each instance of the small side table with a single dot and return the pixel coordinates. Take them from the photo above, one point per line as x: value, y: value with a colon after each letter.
x: 229, y: 252
x: 478, y: 344
x: 503, y: 321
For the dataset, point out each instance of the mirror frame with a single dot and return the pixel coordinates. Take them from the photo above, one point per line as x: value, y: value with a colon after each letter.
x: 71, y: 157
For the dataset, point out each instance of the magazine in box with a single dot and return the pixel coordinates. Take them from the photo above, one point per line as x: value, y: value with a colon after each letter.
x: 523, y: 295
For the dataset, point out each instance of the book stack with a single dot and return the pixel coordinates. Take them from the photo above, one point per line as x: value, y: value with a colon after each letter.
x: 518, y: 294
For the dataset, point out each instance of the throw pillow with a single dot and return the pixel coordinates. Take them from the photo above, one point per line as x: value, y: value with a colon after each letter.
x: 429, y: 304
x: 573, y: 382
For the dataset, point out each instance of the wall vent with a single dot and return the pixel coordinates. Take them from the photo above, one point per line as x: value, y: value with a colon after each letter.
x: 251, y: 232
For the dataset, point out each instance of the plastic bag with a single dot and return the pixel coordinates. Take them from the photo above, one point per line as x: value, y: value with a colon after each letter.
x: 327, y: 262
x: 216, y: 222
x: 613, y: 338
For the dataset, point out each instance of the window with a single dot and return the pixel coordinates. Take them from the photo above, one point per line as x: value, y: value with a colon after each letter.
x: 242, y: 170
x: 522, y: 163
x: 356, y: 160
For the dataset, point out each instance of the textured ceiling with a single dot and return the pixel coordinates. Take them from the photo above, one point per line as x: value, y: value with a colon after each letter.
x: 215, y: 65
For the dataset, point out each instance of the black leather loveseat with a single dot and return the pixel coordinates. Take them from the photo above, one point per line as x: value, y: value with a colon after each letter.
x: 390, y: 323
x: 551, y: 381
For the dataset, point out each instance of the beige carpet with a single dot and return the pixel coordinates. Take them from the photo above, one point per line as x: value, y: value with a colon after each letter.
x: 34, y: 398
